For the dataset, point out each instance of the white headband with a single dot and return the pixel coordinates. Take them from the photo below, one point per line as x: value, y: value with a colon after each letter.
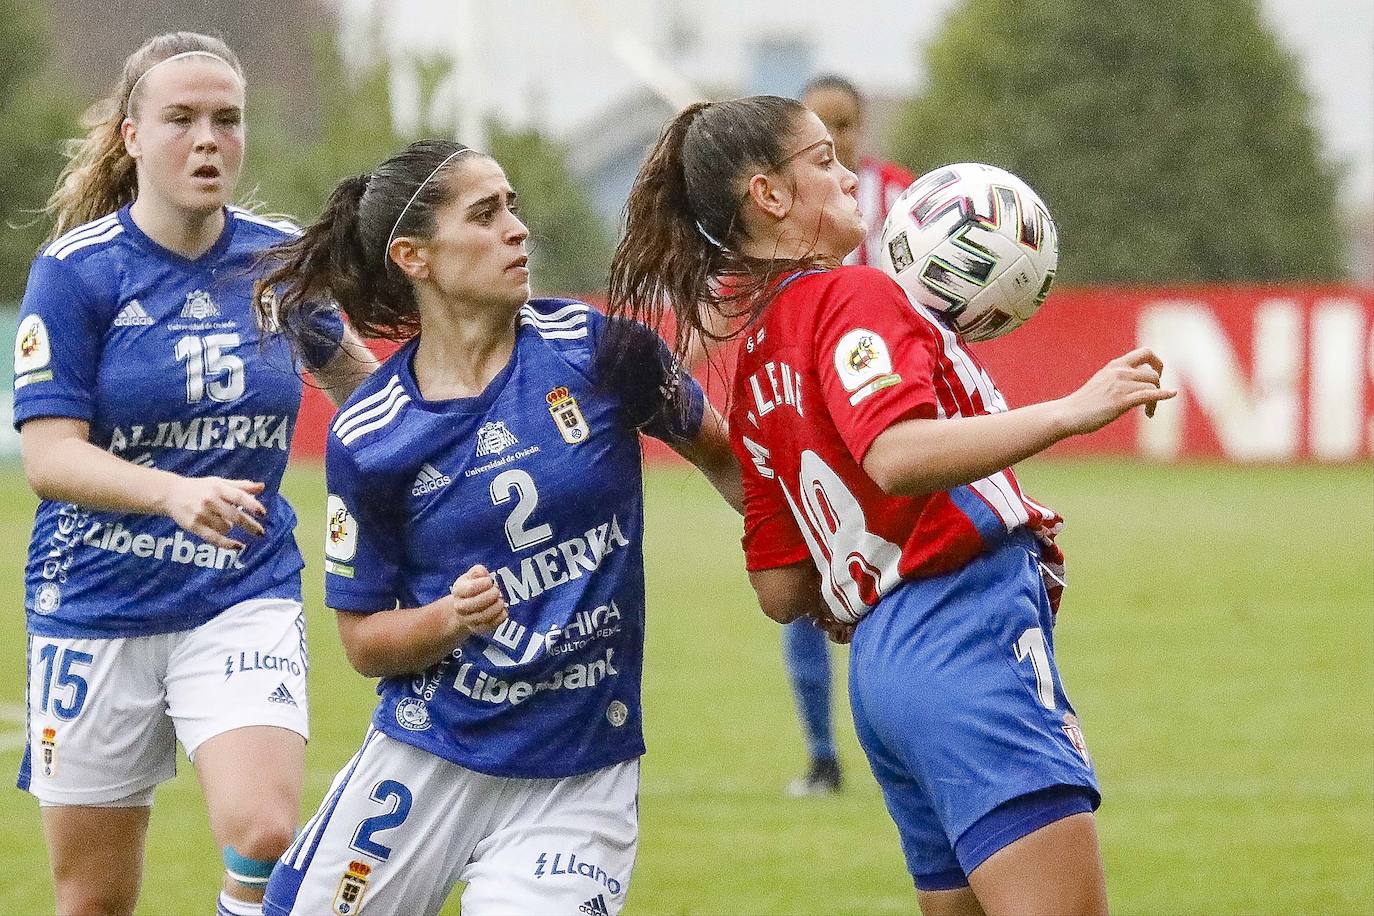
x: 184, y: 54
x: 386, y: 252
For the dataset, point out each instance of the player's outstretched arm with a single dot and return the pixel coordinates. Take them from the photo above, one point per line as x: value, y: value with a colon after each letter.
x: 406, y: 640
x: 62, y: 464
x: 922, y: 456
x: 710, y: 452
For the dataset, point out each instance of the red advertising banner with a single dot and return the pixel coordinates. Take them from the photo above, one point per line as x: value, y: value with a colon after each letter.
x: 1266, y: 374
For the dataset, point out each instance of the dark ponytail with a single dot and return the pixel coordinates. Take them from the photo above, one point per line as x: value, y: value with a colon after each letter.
x: 680, y: 251
x: 343, y: 256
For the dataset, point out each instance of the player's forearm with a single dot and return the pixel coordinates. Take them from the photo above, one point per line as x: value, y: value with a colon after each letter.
x: 400, y: 641
x: 787, y: 593
x: 917, y: 457
x: 67, y: 469
x: 352, y: 363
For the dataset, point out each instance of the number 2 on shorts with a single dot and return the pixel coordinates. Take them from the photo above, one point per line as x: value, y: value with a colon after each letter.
x: 397, y: 798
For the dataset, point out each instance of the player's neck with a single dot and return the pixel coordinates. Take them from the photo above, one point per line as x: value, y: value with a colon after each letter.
x: 459, y: 356
x: 188, y: 234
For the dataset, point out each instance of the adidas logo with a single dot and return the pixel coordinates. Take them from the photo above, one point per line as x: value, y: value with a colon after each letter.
x: 595, y: 907
x: 281, y: 695
x: 428, y: 480
x: 133, y: 316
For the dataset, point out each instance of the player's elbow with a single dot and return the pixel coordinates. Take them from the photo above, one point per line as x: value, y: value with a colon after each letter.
x: 361, y: 651
x: 787, y: 593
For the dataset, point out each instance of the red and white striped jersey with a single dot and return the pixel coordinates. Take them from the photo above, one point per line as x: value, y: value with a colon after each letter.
x: 880, y: 184
x: 839, y: 357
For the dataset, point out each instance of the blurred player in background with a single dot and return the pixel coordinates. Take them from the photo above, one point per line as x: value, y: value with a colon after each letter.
x: 484, y: 555
x: 876, y: 456
x: 837, y: 102
x: 163, y: 580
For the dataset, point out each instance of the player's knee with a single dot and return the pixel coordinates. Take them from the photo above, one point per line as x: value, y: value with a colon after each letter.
x: 262, y: 839
x: 104, y: 894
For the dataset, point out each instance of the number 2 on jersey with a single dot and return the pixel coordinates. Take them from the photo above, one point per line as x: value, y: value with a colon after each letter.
x: 210, y: 368
x: 527, y: 498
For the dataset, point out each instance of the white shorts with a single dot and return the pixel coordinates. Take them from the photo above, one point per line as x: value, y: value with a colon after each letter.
x: 400, y: 827
x: 105, y: 714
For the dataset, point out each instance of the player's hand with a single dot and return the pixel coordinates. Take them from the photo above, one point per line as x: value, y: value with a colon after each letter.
x: 209, y: 506
x: 1128, y: 381
x: 478, y: 607
x: 837, y: 632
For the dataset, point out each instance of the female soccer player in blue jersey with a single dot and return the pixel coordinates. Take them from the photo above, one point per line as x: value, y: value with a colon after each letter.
x: 483, y: 554
x: 163, y: 580
x: 879, y: 498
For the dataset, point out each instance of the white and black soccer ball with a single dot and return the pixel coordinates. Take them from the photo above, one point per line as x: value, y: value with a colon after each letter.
x: 975, y: 243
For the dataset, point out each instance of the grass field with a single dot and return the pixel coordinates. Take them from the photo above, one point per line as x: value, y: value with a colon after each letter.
x: 1217, y: 639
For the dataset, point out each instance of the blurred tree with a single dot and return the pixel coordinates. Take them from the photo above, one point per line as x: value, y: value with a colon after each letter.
x: 295, y: 170
x: 1172, y: 141
x: 36, y: 115
x: 570, y: 245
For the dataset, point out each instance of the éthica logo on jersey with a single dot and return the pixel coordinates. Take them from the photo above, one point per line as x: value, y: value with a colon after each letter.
x: 428, y: 480
x: 493, y: 438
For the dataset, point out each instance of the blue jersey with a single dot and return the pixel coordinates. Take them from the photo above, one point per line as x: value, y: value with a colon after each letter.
x: 161, y: 355
x: 538, y: 479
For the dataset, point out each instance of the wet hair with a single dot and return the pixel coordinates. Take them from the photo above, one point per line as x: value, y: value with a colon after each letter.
x: 680, y: 251
x: 342, y: 256
x: 836, y: 82
x: 100, y: 176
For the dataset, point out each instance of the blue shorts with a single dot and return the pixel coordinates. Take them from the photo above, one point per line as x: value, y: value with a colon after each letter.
x: 959, y: 706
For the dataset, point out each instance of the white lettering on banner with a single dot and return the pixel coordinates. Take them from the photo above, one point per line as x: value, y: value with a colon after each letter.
x: 1258, y: 422
x: 1262, y: 419
x: 543, y: 571
x: 1337, y: 404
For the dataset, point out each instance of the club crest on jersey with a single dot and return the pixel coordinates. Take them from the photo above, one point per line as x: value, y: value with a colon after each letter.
x: 49, y: 751
x: 31, y: 350
x: 348, y: 900
x: 199, y: 306
x: 493, y: 438
x: 340, y: 539
x: 864, y: 364
x: 47, y: 598
x: 567, y: 416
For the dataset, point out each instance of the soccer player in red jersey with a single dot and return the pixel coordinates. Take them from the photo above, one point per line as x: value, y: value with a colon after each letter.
x: 840, y: 106
x: 879, y: 498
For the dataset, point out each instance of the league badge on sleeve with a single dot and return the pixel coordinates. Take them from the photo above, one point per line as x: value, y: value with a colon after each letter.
x: 341, y: 538
x: 864, y: 364
x: 32, y: 353
x: 567, y: 416
x: 348, y: 900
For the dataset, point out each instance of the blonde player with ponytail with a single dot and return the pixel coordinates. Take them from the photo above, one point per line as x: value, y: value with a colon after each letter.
x: 162, y: 588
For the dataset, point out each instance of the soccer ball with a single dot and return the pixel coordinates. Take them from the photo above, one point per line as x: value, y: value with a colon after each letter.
x: 974, y: 243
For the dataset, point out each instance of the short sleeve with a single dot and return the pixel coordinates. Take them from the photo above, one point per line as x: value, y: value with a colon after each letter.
x: 875, y: 357
x: 57, y: 346
x: 771, y: 535
x: 658, y: 396
x: 362, y: 539
x: 320, y: 335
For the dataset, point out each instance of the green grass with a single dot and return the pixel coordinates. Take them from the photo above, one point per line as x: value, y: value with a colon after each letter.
x: 1217, y: 639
